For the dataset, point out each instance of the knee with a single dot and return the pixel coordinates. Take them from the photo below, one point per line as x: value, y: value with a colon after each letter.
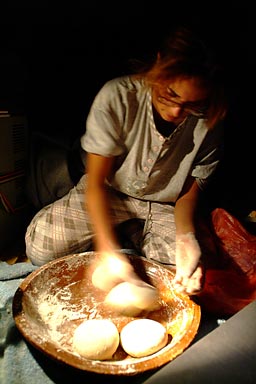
x: 42, y: 248
x: 37, y: 246
x: 36, y: 253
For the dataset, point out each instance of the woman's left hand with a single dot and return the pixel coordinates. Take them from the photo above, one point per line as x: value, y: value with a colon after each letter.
x: 189, y: 275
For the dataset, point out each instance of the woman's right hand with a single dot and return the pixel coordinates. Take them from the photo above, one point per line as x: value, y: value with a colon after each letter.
x: 112, y: 268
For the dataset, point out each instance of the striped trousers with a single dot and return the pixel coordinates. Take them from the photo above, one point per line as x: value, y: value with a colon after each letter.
x: 63, y: 227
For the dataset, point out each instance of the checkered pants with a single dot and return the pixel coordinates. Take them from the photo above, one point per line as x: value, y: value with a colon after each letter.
x: 63, y: 227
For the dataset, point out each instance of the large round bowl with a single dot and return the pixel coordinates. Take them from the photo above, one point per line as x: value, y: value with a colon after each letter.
x: 54, y: 299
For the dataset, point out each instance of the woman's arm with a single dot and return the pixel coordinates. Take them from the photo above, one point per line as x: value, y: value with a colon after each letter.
x: 97, y: 202
x: 185, y: 207
x: 189, y: 271
x: 112, y: 266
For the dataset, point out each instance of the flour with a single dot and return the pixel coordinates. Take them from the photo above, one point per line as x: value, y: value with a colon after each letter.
x: 61, y: 312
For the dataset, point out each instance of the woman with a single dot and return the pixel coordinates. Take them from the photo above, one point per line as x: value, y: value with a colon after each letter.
x: 153, y: 140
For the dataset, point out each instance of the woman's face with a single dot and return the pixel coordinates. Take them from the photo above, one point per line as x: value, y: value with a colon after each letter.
x: 181, y: 97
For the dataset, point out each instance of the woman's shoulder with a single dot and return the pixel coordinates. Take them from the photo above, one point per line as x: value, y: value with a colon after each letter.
x: 127, y: 83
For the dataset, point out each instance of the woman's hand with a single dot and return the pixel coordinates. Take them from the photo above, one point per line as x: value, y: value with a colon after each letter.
x: 189, y: 269
x: 112, y: 268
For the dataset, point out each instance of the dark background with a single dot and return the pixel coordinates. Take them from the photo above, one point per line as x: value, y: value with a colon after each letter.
x: 54, y: 58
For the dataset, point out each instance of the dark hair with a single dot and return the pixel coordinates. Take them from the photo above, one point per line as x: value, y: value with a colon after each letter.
x: 184, y: 55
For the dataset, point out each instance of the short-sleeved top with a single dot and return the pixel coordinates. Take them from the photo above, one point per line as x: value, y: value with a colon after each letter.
x: 148, y: 165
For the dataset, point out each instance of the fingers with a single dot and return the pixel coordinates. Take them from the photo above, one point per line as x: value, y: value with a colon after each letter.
x: 188, y: 254
x: 112, y: 269
x: 189, y: 271
x: 190, y: 285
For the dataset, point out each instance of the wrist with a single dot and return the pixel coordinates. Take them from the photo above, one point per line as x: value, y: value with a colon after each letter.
x: 182, y: 236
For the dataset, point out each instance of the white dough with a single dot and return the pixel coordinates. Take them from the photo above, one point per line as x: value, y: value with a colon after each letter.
x: 96, y: 339
x: 131, y: 299
x: 143, y: 337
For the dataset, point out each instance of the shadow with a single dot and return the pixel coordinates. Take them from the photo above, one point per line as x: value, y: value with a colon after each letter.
x: 61, y: 373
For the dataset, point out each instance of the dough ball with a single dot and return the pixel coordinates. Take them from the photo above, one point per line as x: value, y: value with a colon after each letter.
x: 131, y: 299
x: 143, y: 337
x: 96, y: 339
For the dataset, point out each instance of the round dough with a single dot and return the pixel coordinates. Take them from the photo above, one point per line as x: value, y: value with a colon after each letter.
x: 143, y: 337
x: 96, y: 339
x: 131, y: 299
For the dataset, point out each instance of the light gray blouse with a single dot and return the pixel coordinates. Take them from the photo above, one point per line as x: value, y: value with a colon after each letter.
x: 148, y: 165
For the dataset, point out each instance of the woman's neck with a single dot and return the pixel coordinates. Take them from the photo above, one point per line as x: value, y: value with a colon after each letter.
x: 163, y: 127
